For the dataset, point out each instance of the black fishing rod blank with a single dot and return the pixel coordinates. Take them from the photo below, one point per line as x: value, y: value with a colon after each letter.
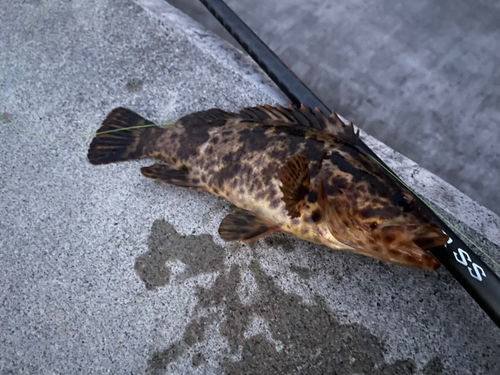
x: 467, y: 267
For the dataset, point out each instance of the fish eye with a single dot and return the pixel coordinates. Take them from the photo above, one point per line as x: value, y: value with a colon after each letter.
x: 403, y: 200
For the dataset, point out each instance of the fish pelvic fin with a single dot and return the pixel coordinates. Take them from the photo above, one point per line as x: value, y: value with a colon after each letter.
x: 243, y: 225
x: 170, y: 174
x: 296, y: 184
x: 118, y: 143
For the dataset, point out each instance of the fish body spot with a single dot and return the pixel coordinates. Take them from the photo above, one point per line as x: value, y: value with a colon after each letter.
x: 343, y: 164
x: 316, y: 215
x: 275, y: 203
x: 260, y: 196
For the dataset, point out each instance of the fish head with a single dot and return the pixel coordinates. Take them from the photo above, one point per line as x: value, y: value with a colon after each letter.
x: 374, y: 214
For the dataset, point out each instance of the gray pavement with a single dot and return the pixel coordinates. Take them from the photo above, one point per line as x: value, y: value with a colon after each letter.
x: 423, y: 77
x: 106, y: 271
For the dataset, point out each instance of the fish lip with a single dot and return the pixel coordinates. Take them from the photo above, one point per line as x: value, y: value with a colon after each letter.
x: 429, y: 237
x: 431, y: 242
x: 423, y: 236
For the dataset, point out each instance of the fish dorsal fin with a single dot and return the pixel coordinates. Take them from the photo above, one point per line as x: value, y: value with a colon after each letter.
x: 243, y: 225
x: 340, y: 130
x: 329, y: 124
x: 266, y: 113
x: 304, y: 116
x: 296, y: 184
x: 211, y: 117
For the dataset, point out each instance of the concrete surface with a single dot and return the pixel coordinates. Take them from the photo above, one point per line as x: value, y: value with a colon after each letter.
x: 423, y: 77
x: 106, y: 271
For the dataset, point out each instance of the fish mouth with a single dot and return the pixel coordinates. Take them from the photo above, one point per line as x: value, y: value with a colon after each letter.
x: 429, y: 237
x: 408, y: 245
x: 425, y: 237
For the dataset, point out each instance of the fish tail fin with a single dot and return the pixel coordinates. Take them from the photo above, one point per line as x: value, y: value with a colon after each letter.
x: 119, y: 142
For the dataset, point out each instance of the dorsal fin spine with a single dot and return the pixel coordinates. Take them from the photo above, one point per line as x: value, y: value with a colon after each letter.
x: 305, y: 116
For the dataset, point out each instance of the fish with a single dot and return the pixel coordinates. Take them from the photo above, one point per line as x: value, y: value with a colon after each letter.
x: 286, y: 169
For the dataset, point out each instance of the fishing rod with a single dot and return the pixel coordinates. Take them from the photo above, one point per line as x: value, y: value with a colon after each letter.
x: 467, y: 267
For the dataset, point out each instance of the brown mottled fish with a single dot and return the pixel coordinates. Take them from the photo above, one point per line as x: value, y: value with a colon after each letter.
x: 293, y: 170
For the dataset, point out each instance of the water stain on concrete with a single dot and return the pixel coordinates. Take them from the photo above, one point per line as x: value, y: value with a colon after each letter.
x: 158, y: 362
x: 434, y: 367
x: 195, y: 330
x: 6, y: 117
x: 313, y: 340
x: 198, y: 253
x: 280, y: 239
x: 197, y: 359
x: 134, y: 85
x: 303, y: 272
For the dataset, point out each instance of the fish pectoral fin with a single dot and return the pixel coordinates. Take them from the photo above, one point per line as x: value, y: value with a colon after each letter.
x: 296, y: 184
x: 243, y: 225
x: 172, y: 175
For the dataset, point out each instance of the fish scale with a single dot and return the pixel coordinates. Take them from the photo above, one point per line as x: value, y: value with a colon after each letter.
x: 293, y: 170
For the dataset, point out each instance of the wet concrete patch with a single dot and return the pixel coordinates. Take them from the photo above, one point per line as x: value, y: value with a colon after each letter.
x: 303, y: 272
x: 199, y: 253
x: 313, y: 340
x: 310, y: 337
x: 160, y: 360
x: 195, y: 330
x: 134, y: 85
x: 280, y: 239
x: 434, y: 367
x: 197, y: 359
x: 6, y: 117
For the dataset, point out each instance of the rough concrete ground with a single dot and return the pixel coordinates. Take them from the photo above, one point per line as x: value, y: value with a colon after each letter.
x: 423, y: 77
x: 106, y: 271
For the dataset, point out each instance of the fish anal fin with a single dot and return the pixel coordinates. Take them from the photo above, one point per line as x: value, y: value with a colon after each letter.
x: 170, y: 174
x: 296, y: 184
x: 243, y: 225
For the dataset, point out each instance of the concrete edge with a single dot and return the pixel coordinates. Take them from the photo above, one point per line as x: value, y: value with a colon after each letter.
x: 172, y: 19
